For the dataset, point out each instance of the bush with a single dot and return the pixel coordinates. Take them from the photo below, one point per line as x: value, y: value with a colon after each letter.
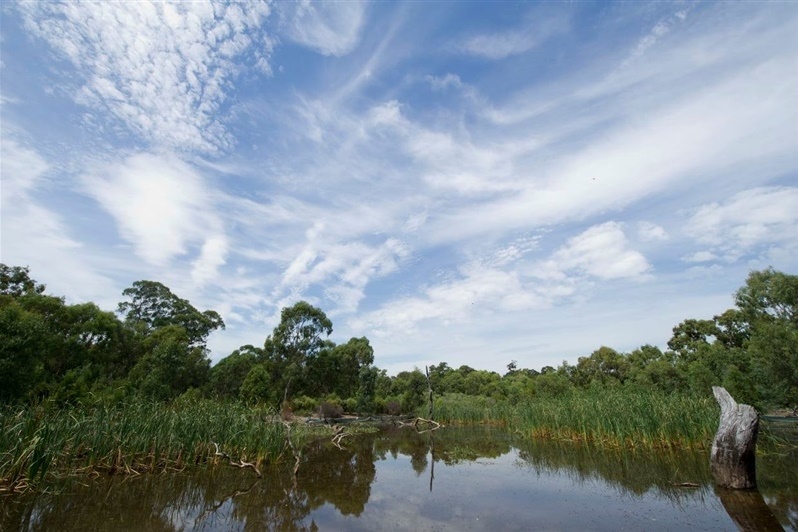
x: 393, y: 408
x: 304, y: 404
x: 350, y: 405
x: 330, y: 410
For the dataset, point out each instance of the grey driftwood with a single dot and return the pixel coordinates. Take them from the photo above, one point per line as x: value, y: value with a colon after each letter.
x: 733, y: 459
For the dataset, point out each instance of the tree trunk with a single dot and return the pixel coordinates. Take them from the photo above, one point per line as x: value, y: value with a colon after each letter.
x: 733, y: 460
x: 429, y: 391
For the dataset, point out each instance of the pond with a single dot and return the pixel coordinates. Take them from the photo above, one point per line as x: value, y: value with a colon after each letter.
x: 479, y: 478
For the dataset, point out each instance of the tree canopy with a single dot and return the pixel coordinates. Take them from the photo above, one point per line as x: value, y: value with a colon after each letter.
x: 53, y: 350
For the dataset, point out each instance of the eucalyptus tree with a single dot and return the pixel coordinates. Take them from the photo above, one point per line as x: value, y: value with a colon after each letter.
x: 295, y: 343
x: 152, y: 306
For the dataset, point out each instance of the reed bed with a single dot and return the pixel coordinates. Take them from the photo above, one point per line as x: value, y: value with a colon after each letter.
x: 623, y: 418
x: 131, y: 438
x: 458, y: 408
x: 608, y: 417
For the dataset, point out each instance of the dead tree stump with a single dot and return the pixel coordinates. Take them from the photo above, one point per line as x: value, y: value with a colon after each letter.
x: 733, y: 459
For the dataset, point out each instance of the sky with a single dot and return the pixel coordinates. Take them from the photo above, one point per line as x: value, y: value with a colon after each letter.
x: 469, y: 182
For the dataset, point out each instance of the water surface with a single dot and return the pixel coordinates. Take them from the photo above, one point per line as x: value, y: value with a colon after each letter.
x: 451, y: 479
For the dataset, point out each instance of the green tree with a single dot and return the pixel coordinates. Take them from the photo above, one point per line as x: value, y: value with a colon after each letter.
x: 769, y: 295
x: 257, y: 386
x: 690, y: 336
x: 171, y: 365
x: 227, y: 376
x: 769, y: 303
x: 296, y: 341
x: 605, y: 366
x: 153, y: 306
x: 15, y: 281
x: 353, y: 356
x: 367, y: 388
x: 22, y: 345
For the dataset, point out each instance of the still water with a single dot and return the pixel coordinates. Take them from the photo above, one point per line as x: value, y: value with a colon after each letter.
x: 451, y: 479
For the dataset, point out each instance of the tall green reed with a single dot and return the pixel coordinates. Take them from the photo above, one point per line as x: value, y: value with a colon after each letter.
x: 135, y: 436
x: 609, y: 417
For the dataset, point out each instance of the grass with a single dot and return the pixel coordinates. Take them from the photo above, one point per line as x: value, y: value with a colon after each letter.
x: 608, y: 417
x: 134, y: 437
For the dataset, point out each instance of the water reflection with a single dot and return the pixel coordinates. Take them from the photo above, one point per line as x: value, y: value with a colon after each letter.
x: 484, y: 480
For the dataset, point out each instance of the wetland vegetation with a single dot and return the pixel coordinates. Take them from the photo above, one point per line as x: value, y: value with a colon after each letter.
x: 85, y: 392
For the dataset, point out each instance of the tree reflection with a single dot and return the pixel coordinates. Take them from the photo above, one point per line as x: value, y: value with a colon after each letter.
x: 229, y: 498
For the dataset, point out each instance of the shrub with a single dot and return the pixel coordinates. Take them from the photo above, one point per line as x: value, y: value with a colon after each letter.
x: 329, y: 410
x: 393, y: 408
x: 304, y: 404
x: 350, y: 405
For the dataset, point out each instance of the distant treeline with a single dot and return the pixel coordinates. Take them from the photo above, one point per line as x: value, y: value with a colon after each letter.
x: 154, y: 347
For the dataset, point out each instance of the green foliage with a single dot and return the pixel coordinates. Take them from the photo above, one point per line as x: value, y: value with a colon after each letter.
x: 304, y: 405
x: 15, y: 281
x: 171, y: 365
x: 295, y: 342
x: 553, y: 384
x: 153, y: 306
x: 227, y: 376
x: 22, y: 344
x: 604, y: 366
x: 769, y: 295
x: 257, y: 386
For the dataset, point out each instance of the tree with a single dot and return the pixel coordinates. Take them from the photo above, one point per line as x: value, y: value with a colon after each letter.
x: 352, y: 357
x: 257, y: 386
x: 171, y: 365
x: 153, y: 306
x: 22, y: 343
x: 691, y: 335
x: 298, y: 338
x: 411, y: 387
x: 367, y: 388
x: 227, y: 376
x: 769, y: 295
x: 604, y: 366
x: 769, y: 304
x: 15, y: 281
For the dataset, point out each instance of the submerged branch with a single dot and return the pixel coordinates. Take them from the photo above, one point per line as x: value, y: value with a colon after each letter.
x: 240, y: 463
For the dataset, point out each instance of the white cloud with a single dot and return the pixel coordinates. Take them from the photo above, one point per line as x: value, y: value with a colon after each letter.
x: 161, y: 205
x: 23, y: 171
x: 440, y: 83
x: 601, y: 251
x: 343, y: 268
x: 162, y: 69
x: 499, y: 45
x: 508, y: 282
x: 478, y: 289
x: 739, y: 126
x: 647, y: 231
x: 758, y: 220
x: 700, y: 256
x: 35, y: 236
x: 212, y: 257
x: 330, y: 28
x: 660, y: 29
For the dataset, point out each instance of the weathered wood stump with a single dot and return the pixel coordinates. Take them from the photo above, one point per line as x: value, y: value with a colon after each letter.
x: 733, y: 459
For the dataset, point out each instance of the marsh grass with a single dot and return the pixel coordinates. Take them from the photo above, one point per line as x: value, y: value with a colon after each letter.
x: 132, y: 438
x: 607, y: 417
x: 458, y: 408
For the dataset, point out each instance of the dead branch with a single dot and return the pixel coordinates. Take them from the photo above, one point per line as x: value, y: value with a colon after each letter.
x: 297, y: 453
x: 240, y: 463
x: 338, y: 435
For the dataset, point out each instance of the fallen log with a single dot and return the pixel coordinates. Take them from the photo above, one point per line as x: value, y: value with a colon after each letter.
x: 733, y: 458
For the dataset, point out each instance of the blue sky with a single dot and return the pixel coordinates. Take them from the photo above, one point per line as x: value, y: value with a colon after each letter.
x: 469, y: 182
